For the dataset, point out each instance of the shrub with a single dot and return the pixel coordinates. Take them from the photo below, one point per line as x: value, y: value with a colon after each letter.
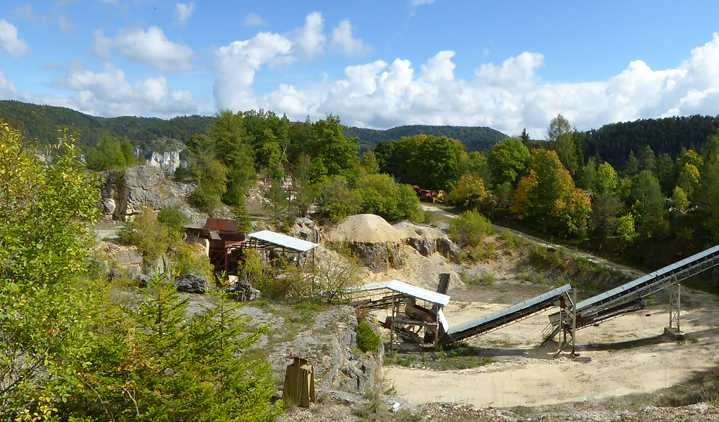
x: 335, y: 200
x: 367, y: 339
x: 174, y: 221
x: 147, y: 233
x: 469, y: 229
x: 190, y: 259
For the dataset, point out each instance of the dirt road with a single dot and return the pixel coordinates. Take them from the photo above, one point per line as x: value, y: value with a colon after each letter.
x: 633, y: 272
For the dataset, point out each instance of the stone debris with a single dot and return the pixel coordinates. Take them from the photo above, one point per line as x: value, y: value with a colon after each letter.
x: 191, y: 283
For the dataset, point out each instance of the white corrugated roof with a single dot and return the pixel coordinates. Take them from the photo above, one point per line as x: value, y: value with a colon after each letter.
x: 409, y: 290
x: 284, y: 241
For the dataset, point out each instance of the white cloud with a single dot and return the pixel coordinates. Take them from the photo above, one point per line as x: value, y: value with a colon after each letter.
x: 101, y: 46
x: 65, y: 25
x: 25, y: 12
x: 151, y: 48
x: 507, y: 97
x: 8, y: 90
x: 310, y: 40
x: 253, y: 19
x: 184, y: 12
x: 16, y: 47
x: 236, y: 64
x: 110, y: 94
x: 343, y: 39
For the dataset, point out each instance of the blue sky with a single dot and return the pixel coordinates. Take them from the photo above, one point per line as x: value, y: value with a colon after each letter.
x: 508, y: 65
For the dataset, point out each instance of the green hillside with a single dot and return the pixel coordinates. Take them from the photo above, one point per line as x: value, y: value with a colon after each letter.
x: 40, y: 123
x: 474, y: 138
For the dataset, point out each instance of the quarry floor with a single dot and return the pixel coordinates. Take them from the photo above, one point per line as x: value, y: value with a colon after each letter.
x: 621, y: 358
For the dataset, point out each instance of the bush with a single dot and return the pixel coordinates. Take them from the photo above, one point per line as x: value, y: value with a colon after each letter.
x: 335, y: 200
x: 190, y: 259
x: 367, y: 339
x: 147, y: 233
x: 174, y: 221
x: 469, y: 229
x: 382, y: 196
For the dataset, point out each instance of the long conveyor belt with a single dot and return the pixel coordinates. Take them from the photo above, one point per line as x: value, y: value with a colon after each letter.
x: 503, y: 317
x: 628, y: 296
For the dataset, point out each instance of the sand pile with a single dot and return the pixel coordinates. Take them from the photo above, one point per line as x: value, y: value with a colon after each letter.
x: 365, y: 228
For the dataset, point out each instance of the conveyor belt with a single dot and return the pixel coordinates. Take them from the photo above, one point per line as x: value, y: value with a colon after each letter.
x: 601, y: 307
x: 503, y: 317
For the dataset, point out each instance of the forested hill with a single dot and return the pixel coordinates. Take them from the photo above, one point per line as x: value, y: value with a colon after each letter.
x: 41, y: 123
x: 474, y: 138
x: 613, y: 142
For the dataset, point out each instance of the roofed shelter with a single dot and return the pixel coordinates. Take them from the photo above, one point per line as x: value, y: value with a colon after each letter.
x: 274, y: 245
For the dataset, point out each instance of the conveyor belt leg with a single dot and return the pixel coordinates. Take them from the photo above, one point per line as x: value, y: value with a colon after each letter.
x: 675, y: 309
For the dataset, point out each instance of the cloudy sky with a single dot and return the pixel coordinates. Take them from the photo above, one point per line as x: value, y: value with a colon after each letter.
x: 505, y: 64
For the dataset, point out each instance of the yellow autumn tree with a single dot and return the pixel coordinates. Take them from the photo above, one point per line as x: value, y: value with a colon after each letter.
x: 470, y: 190
x: 548, y: 198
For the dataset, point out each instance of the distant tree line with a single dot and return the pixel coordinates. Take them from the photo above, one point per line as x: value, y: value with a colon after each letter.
x: 473, y: 138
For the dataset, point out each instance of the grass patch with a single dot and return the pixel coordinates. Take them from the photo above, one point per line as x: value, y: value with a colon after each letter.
x: 482, y: 279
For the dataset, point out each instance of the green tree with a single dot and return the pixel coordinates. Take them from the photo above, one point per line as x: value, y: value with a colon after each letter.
x: 470, y: 190
x: 368, y: 162
x: 687, y: 172
x: 234, y: 150
x: 157, y: 362
x: 507, y: 161
x: 426, y: 161
x: 524, y: 137
x: 211, y: 177
x: 175, y: 221
x: 301, y: 181
x: 647, y: 205
x: 626, y: 228
x: 664, y: 166
x: 278, y: 205
x: 47, y: 199
x: 269, y: 136
x: 632, y: 166
x: 679, y: 199
x: 469, y: 230
x: 380, y: 195
x: 239, y: 213
x: 110, y: 154
x: 605, y: 208
x: 558, y: 127
x: 548, y: 198
x: 335, y: 199
x: 647, y: 159
x: 150, y: 236
x: 335, y: 154
x: 606, y: 179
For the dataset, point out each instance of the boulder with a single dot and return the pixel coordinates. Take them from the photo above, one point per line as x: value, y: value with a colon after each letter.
x: 191, y: 283
x: 244, y: 291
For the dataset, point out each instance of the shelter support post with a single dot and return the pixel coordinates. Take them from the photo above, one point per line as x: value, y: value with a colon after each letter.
x: 391, y: 330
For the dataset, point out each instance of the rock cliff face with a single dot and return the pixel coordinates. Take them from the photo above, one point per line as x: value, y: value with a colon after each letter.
x: 125, y: 192
x: 167, y: 161
x: 331, y: 345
